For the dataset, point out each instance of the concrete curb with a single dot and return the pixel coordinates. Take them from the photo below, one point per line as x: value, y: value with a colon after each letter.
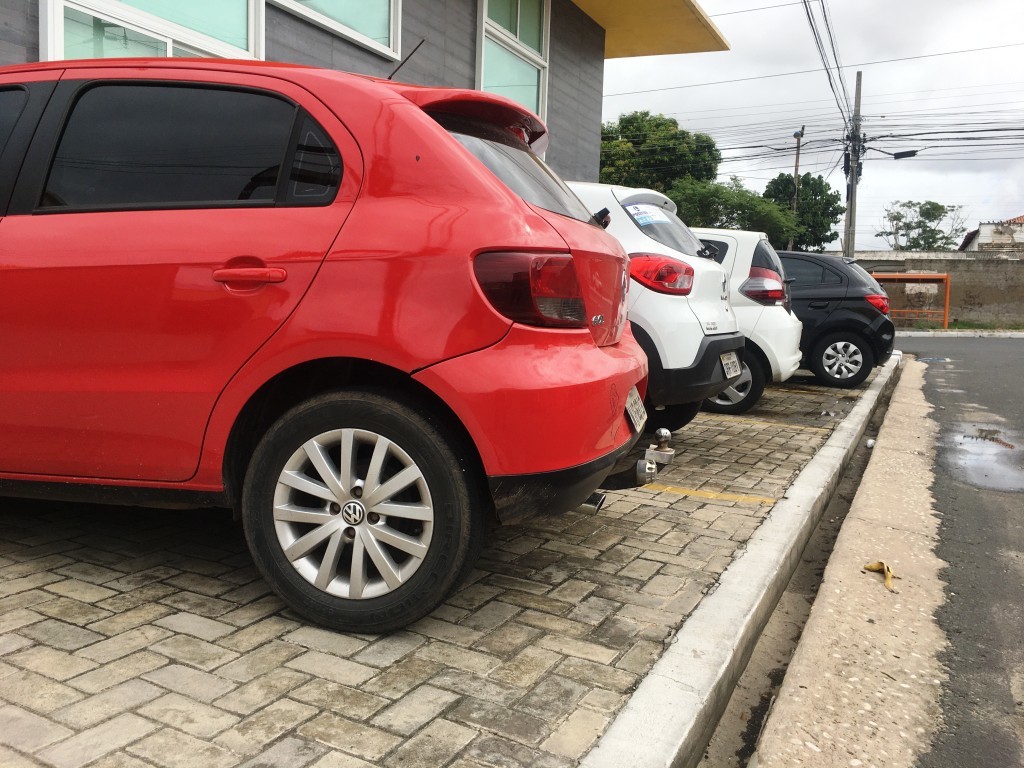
x: 669, y: 719
x: 961, y: 334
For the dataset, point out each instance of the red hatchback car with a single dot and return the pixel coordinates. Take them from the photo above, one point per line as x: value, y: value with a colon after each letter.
x: 363, y: 313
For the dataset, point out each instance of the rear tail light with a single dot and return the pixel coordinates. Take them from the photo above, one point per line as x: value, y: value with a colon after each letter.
x: 532, y: 288
x: 879, y: 302
x: 661, y: 273
x: 765, y: 286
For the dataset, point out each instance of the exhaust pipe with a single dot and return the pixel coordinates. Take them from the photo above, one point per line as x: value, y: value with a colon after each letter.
x: 593, y: 503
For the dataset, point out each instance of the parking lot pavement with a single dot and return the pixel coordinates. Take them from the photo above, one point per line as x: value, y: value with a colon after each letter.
x: 133, y: 638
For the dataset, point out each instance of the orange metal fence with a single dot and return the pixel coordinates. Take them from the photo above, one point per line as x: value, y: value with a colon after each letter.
x: 918, y: 277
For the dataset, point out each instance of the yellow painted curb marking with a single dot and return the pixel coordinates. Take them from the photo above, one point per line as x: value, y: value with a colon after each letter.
x: 709, y: 494
x: 779, y: 425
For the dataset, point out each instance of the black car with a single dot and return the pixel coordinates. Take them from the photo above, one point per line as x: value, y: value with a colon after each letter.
x: 845, y: 312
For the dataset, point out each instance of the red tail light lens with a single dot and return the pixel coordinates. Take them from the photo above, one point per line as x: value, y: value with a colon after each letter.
x: 532, y: 288
x: 764, y: 286
x: 879, y: 302
x: 661, y: 273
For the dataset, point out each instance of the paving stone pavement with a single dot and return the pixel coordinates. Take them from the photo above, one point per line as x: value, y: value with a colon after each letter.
x: 138, y: 638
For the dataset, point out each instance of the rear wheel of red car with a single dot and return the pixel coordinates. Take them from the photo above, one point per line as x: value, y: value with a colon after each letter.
x: 842, y: 360
x: 672, y: 417
x: 742, y: 394
x: 359, y: 512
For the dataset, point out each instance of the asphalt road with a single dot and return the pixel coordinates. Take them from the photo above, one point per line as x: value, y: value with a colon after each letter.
x: 976, y: 386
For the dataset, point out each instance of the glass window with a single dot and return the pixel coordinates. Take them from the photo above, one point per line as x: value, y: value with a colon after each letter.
x: 12, y: 101
x: 664, y: 227
x: 509, y: 75
x: 512, y: 161
x: 803, y: 272
x: 829, y: 277
x: 224, y: 20
x: 369, y: 19
x: 90, y: 37
x: 514, y: 59
x: 864, y: 275
x: 523, y: 19
x: 531, y: 24
x: 765, y: 257
x: 316, y: 166
x: 504, y: 13
x: 146, y: 146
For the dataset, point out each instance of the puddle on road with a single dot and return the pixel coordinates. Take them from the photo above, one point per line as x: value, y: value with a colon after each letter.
x: 989, y: 456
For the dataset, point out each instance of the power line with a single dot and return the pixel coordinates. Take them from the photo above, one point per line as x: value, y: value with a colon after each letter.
x: 751, y: 10
x: 808, y: 71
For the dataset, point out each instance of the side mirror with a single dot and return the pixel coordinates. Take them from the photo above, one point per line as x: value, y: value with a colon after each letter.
x: 603, y: 217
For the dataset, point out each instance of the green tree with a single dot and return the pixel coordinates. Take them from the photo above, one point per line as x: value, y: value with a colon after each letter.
x: 644, y: 150
x: 710, y: 204
x: 928, y: 226
x: 819, y: 208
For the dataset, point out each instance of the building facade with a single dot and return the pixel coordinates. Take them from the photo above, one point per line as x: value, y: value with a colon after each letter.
x: 546, y: 54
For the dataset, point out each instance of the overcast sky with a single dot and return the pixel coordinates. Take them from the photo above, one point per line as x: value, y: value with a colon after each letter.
x: 977, y: 91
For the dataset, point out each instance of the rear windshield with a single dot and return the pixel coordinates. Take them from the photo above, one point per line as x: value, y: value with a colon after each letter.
x: 765, y: 257
x: 664, y: 227
x: 864, y: 275
x: 511, y: 160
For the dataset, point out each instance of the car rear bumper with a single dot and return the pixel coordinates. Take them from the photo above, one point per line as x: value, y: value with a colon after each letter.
x: 542, y: 401
x: 883, y: 337
x: 519, y: 496
x: 777, y: 334
x: 704, y: 379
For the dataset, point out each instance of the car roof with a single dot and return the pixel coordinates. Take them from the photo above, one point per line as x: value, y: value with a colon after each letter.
x: 741, y: 235
x: 492, y: 107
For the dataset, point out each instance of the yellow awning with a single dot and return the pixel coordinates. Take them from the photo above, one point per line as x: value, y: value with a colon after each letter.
x: 653, y: 27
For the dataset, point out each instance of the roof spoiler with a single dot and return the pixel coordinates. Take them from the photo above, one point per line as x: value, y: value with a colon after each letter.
x: 491, y: 107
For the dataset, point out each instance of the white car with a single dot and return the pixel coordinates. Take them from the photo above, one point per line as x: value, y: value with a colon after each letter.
x: 678, y: 302
x: 760, y: 299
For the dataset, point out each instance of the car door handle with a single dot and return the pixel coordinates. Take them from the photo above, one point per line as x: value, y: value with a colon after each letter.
x: 250, y: 275
x: 818, y: 304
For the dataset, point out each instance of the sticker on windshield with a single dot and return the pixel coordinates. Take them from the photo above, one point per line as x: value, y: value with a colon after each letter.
x: 645, y: 213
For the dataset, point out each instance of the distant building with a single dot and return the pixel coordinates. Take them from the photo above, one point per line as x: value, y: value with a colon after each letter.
x: 546, y: 54
x: 996, y: 236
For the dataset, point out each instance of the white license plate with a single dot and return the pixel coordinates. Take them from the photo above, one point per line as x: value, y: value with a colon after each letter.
x: 635, y: 410
x: 731, y: 364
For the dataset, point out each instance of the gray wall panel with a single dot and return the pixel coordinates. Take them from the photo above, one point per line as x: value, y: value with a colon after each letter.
x: 19, y: 31
x: 576, y: 80
x: 448, y: 55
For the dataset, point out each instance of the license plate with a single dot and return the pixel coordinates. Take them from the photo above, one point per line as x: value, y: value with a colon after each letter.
x: 731, y: 364
x: 635, y: 410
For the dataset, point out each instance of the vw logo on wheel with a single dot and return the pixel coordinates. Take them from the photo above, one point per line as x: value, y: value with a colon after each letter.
x: 353, y: 513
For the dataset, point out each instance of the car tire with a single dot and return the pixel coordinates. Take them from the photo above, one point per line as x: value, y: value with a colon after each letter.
x: 672, y: 417
x: 842, y: 360
x: 359, y: 512
x: 742, y: 395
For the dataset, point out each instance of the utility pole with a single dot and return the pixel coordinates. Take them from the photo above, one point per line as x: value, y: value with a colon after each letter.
x: 856, y: 141
x: 796, y: 177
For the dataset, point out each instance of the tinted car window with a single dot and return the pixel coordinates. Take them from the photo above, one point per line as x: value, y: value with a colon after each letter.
x: 803, y: 272
x: 511, y: 160
x: 316, y: 166
x: 664, y: 227
x: 765, y: 257
x: 155, y: 145
x: 12, y: 101
x: 864, y: 275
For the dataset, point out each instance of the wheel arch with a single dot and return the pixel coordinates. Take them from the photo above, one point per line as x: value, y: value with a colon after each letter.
x: 311, y: 378
x: 758, y: 355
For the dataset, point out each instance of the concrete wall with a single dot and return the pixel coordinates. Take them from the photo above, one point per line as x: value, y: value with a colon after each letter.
x: 984, y: 288
x: 19, y: 31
